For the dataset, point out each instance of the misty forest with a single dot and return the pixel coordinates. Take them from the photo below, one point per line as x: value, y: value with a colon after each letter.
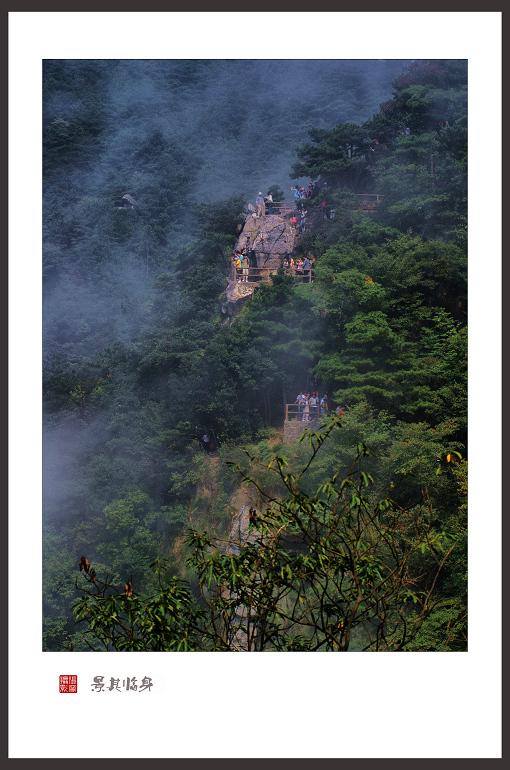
x: 255, y: 411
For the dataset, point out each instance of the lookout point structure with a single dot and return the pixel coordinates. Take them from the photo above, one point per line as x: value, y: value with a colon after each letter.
x: 270, y: 238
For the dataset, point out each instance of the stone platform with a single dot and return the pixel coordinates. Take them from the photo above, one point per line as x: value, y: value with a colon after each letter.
x: 292, y: 430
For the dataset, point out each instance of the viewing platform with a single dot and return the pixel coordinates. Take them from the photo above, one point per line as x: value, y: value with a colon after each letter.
x: 367, y: 202
x: 297, y: 421
x: 263, y: 275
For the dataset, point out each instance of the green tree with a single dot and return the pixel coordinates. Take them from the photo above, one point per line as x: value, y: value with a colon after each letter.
x: 334, y: 570
x: 139, y: 359
x: 284, y: 330
x: 276, y: 192
x: 167, y: 620
x: 336, y: 156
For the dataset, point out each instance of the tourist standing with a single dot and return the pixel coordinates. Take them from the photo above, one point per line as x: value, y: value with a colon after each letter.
x: 300, y: 401
x: 307, y: 266
x: 239, y: 266
x: 312, y: 401
x: 246, y: 268
x: 306, y: 410
x: 260, y: 205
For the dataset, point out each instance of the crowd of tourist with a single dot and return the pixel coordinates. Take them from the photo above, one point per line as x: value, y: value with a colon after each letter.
x: 300, y: 268
x: 312, y: 191
x: 310, y: 407
x: 241, y: 262
x: 264, y: 204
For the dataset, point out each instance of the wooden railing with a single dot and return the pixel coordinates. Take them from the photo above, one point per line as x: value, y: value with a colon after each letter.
x: 305, y: 276
x: 281, y: 207
x: 297, y: 413
x: 258, y: 274
x: 367, y: 202
x: 251, y: 274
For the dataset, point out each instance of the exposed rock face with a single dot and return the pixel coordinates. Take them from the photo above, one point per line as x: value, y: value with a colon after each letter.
x: 239, y: 532
x: 243, y: 631
x: 252, y: 225
x: 236, y: 295
x: 271, y: 238
x: 273, y: 241
x: 244, y: 618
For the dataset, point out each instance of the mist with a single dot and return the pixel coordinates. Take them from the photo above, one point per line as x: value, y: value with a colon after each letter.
x: 228, y: 128
x: 170, y: 134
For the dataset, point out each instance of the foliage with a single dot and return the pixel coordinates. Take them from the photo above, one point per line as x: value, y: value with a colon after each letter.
x: 335, y: 570
x: 276, y: 193
x: 139, y: 359
x: 392, y: 328
x: 336, y: 156
x: 413, y: 153
x: 124, y: 622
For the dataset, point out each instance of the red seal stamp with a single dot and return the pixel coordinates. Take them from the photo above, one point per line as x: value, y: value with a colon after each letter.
x: 68, y: 683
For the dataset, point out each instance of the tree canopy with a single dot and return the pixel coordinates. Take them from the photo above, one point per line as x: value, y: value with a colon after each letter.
x: 335, y: 569
x: 142, y: 211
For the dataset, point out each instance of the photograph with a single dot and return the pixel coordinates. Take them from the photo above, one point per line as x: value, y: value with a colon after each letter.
x: 239, y: 368
x: 255, y: 355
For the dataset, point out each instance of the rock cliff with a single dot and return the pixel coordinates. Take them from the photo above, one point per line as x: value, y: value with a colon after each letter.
x: 236, y: 294
x: 271, y: 238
